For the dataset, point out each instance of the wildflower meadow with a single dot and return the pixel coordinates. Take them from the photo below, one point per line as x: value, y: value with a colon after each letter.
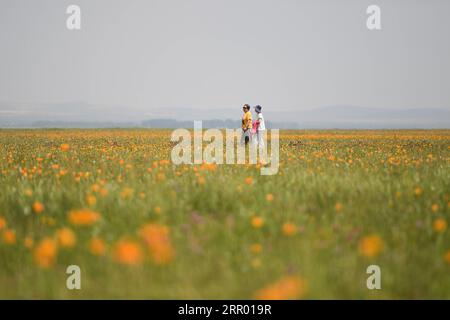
x: 139, y: 227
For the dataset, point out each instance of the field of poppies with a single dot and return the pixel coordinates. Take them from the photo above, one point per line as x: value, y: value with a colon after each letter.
x: 112, y: 203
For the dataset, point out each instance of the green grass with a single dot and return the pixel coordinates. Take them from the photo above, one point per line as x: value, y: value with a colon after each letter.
x: 372, y: 174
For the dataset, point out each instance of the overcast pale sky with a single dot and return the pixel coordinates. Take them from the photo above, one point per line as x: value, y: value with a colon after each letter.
x: 217, y: 54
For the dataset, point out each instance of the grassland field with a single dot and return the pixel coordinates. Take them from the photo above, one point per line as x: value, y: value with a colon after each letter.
x: 111, y: 202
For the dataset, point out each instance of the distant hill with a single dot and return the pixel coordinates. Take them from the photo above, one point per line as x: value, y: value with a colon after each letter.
x: 84, y: 115
x: 372, y: 118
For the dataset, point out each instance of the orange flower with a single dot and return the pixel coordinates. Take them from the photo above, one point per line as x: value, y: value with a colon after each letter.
x: 65, y: 147
x: 435, y: 207
x: 338, y: 207
x: 2, y: 223
x: 447, y: 257
x: 45, y: 253
x: 83, y: 217
x: 249, y: 180
x: 289, y: 229
x: 288, y: 287
x: 440, y: 225
x: 269, y: 197
x: 9, y: 236
x: 66, y: 238
x: 257, y: 222
x: 201, y: 180
x: 157, y: 210
x: 95, y: 188
x: 128, y: 252
x: 97, y: 247
x: 103, y: 192
x: 371, y: 246
x: 38, y: 207
x: 28, y: 242
x: 62, y: 173
x: 256, y: 248
x: 418, y: 191
x: 158, y: 241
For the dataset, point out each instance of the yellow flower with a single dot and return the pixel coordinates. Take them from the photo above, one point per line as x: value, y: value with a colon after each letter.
x: 45, y: 253
x: 288, y: 287
x: 9, y: 236
x: 269, y: 197
x: 126, y: 193
x: 256, y: 263
x: 83, y: 217
x: 256, y: 248
x: 338, y: 207
x: 65, y: 147
x: 97, y: 247
x: 48, y: 221
x: 440, y: 225
x: 91, y: 200
x: 38, y: 207
x: 128, y: 252
x: 371, y: 246
x: 66, y: 238
x: 289, y: 229
x: 257, y: 222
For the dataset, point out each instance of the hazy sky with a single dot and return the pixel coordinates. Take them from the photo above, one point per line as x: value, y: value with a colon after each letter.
x: 216, y: 54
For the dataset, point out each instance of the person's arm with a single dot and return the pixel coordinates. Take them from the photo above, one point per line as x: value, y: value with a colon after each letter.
x: 258, y: 120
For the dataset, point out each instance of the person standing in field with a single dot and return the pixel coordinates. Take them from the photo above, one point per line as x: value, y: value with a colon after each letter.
x: 246, y: 124
x: 260, y: 127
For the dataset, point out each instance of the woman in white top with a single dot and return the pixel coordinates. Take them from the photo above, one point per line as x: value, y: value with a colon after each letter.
x: 260, y: 127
